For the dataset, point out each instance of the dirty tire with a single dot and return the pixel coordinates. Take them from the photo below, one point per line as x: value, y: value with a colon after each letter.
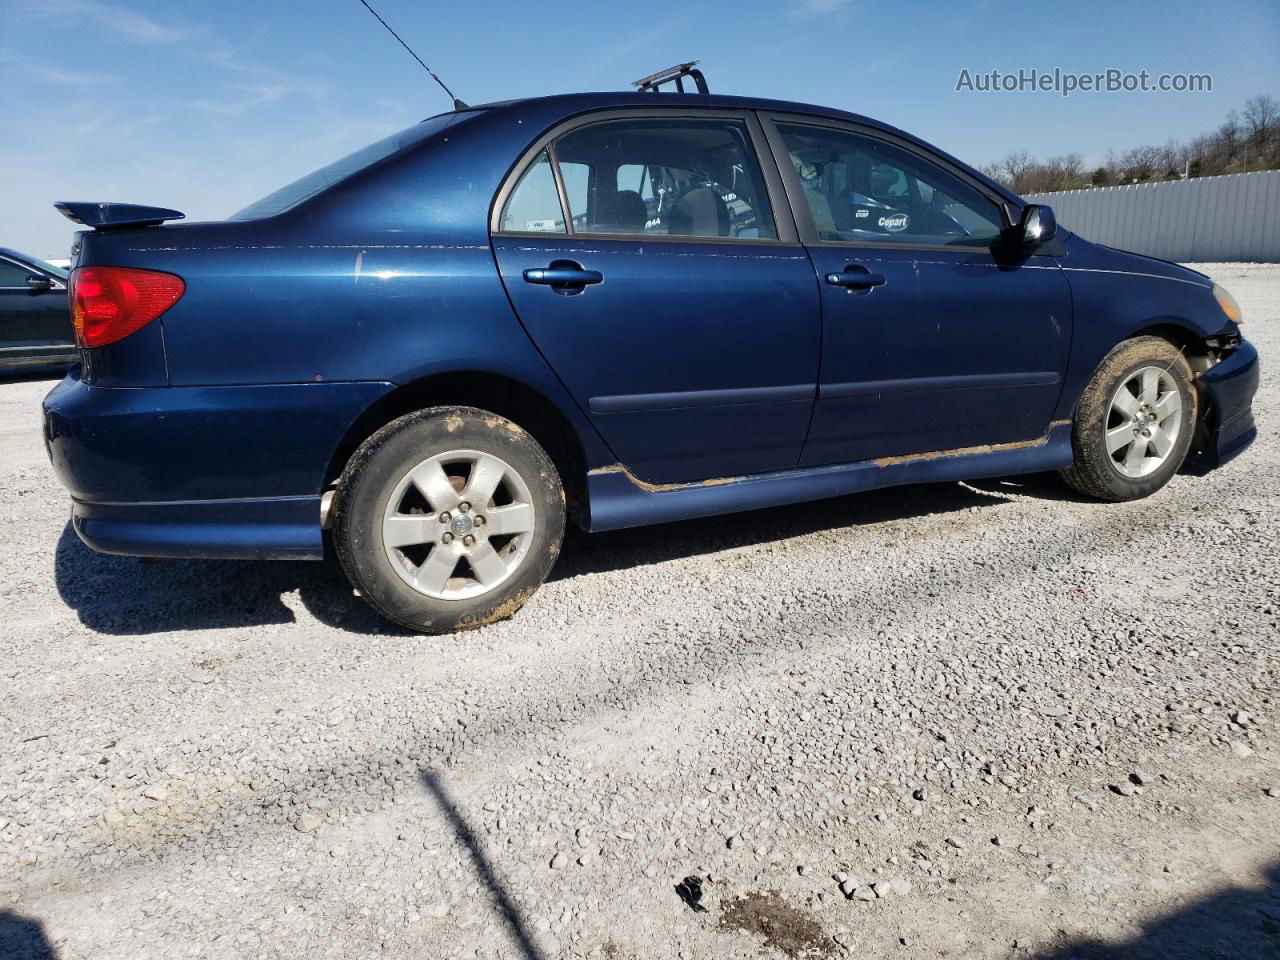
x: 372, y: 477
x: 1093, y: 471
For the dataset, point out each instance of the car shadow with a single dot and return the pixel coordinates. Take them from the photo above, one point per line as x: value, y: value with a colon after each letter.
x: 621, y: 549
x: 1237, y: 922
x: 128, y: 597
x: 23, y: 939
x: 1041, y: 486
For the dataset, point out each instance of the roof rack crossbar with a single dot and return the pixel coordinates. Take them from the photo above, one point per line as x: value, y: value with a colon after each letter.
x: 676, y: 75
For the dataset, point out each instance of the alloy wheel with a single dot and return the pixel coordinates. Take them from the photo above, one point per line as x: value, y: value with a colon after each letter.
x: 1143, y: 422
x: 458, y: 525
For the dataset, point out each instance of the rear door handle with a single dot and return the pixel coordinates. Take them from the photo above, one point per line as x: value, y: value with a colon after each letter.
x: 558, y: 275
x: 856, y: 279
x: 563, y: 276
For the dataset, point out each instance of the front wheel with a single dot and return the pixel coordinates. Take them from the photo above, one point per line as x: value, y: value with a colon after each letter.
x: 448, y: 519
x: 1133, y: 425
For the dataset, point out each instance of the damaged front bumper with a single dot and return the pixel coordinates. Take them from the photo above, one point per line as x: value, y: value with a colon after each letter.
x: 1226, y: 396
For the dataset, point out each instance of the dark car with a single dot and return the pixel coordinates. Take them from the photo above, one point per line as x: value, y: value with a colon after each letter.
x: 616, y: 309
x: 35, y: 325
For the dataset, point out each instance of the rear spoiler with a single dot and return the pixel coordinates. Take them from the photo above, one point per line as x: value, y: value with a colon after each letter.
x: 105, y: 216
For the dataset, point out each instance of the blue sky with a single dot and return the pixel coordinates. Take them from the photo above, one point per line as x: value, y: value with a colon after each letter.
x: 206, y: 106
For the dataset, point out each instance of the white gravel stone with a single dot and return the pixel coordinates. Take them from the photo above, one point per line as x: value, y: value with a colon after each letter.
x: 859, y: 685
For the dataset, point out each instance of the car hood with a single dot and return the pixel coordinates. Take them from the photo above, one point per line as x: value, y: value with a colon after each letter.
x: 1140, y: 263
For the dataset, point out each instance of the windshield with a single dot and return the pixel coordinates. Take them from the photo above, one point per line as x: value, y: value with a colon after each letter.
x: 293, y: 194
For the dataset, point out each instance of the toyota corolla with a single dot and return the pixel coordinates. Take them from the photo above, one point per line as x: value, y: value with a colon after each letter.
x: 609, y: 309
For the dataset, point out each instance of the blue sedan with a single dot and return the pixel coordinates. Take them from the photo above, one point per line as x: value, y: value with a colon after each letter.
x: 610, y: 309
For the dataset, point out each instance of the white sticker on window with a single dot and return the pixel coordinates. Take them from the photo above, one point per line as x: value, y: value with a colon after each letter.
x: 540, y: 224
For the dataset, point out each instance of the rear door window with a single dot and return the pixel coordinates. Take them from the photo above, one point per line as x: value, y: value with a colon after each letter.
x: 664, y: 178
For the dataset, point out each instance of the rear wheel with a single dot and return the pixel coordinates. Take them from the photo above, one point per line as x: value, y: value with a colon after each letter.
x: 1133, y: 424
x: 448, y: 519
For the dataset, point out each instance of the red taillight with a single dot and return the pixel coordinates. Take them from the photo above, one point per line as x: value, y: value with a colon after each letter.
x: 109, y: 303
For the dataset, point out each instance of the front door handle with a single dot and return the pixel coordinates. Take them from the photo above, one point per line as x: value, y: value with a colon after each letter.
x: 563, y: 276
x: 856, y: 279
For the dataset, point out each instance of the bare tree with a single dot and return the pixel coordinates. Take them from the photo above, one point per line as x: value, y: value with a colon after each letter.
x: 1261, y: 116
x: 1245, y: 140
x: 1262, y: 122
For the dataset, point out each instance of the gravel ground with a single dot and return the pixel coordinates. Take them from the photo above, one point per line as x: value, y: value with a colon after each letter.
x: 962, y: 720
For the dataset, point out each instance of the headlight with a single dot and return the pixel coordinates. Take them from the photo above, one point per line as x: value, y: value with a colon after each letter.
x: 1228, y: 304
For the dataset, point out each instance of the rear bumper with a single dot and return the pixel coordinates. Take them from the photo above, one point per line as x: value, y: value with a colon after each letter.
x: 200, y: 471
x: 1227, y: 391
x: 282, y: 528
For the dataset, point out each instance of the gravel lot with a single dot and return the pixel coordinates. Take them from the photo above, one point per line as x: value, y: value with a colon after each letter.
x: 983, y: 720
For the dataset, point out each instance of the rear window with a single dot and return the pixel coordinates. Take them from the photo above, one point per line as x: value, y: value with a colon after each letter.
x: 293, y: 194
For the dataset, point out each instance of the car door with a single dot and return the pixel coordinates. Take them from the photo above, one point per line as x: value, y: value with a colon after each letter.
x: 34, y: 323
x: 933, y: 338
x: 652, y: 259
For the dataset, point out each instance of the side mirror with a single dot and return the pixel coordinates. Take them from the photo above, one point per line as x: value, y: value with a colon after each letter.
x: 1037, y: 224
x: 39, y: 284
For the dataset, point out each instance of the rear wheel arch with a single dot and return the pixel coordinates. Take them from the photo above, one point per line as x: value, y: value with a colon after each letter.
x: 505, y: 396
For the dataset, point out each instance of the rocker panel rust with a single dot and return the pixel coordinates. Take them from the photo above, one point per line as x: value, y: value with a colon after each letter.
x: 880, y: 462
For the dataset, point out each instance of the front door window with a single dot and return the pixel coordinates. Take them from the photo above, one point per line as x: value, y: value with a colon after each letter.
x: 862, y: 189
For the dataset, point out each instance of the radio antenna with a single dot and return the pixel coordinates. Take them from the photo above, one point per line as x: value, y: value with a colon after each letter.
x: 457, y: 104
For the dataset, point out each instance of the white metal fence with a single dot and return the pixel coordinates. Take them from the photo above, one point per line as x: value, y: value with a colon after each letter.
x: 1234, y: 217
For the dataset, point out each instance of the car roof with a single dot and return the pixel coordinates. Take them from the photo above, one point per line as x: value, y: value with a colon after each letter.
x: 577, y: 102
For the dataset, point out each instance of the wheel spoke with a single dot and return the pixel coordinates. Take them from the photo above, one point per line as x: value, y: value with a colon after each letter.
x: 436, y: 569
x: 513, y: 518
x: 485, y: 477
x: 412, y: 529
x: 486, y: 564
x: 1125, y: 402
x: 402, y: 531
x: 434, y: 484
x: 1137, y: 453
x: 1119, y: 437
x: 1168, y: 405
x: 1150, y: 386
x: 1161, y: 442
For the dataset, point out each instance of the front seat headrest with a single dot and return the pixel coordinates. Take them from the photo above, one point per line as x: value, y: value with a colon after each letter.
x: 699, y: 213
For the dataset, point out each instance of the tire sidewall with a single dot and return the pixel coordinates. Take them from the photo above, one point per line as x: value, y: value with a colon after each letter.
x: 380, y: 464
x: 1093, y: 411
